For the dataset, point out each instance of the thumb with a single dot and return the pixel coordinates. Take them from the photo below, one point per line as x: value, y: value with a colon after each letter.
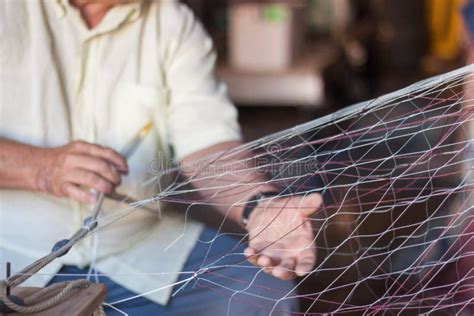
x: 310, y: 204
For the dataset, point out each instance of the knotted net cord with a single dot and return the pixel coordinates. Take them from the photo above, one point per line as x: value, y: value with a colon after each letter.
x: 396, y: 176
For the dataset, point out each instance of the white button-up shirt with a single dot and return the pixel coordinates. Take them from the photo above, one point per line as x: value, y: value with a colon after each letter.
x: 60, y: 82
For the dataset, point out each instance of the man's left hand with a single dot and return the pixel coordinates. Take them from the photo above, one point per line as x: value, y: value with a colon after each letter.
x: 281, y: 238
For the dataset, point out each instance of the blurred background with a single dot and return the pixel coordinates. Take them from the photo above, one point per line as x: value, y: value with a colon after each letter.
x: 290, y: 61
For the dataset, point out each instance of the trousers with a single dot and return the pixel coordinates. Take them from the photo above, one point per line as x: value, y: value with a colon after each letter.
x: 234, y: 287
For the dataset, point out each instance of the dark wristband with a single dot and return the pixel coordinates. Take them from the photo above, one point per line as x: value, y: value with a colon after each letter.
x: 253, y: 202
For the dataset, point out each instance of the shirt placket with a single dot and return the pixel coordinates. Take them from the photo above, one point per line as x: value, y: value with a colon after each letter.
x: 84, y: 121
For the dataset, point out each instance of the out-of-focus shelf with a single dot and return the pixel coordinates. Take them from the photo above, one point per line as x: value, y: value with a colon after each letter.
x: 300, y: 86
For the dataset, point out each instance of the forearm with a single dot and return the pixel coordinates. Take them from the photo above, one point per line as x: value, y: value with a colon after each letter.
x: 19, y: 165
x: 278, y: 224
x: 229, y: 181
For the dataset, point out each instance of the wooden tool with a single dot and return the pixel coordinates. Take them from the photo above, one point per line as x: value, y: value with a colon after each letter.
x: 83, y: 302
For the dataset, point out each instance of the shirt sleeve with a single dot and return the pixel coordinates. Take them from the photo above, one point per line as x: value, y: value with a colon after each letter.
x: 200, y: 113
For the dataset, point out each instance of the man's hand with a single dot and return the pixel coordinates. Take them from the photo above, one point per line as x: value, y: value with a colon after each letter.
x: 281, y: 236
x: 65, y: 171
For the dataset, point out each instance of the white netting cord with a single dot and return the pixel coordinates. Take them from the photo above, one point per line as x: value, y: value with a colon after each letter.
x: 396, y: 229
x: 395, y: 232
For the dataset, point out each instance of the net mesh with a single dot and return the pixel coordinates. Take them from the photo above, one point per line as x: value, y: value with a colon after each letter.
x: 395, y: 230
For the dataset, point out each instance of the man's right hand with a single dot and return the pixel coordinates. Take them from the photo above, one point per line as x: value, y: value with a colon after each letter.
x: 72, y: 170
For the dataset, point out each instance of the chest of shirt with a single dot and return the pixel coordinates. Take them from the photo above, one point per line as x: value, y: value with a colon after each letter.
x: 60, y: 82
x: 83, y: 82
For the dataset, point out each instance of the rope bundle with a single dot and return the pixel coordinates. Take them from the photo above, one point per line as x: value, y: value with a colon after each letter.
x: 54, y: 294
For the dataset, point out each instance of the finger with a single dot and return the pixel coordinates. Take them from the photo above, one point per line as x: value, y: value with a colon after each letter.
x: 310, y: 204
x: 251, y: 255
x: 266, y: 263
x: 306, y: 261
x: 254, y: 250
x: 276, y: 255
x: 97, y: 165
x: 106, y: 153
x: 90, y: 179
x: 285, y: 270
x: 75, y: 193
x: 110, y: 155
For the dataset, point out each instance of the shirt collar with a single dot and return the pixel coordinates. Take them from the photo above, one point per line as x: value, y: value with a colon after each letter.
x: 134, y: 8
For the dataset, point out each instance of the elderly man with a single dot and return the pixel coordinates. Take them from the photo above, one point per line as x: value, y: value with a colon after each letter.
x: 78, y: 79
